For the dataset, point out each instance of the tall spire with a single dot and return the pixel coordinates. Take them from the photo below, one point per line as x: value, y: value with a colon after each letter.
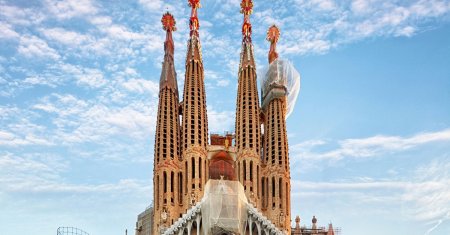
x: 168, y: 74
x: 167, y: 195
x: 194, y: 127
x: 273, y: 34
x: 248, y: 126
x: 276, y: 149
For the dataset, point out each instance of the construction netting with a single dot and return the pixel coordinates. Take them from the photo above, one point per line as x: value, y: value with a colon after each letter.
x: 281, y: 73
x: 224, y: 207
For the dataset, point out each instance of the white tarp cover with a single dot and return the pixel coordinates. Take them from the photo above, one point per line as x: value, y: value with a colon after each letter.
x: 281, y: 73
x: 224, y: 207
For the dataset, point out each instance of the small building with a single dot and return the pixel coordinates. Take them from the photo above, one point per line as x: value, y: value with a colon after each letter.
x: 144, y: 222
x: 314, y: 229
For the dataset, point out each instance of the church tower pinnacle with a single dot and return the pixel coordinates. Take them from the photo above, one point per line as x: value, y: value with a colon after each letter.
x: 194, y: 127
x: 247, y: 125
x: 166, y: 169
x: 277, y: 184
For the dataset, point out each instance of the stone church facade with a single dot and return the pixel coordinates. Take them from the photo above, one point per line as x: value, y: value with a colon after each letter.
x: 234, y: 184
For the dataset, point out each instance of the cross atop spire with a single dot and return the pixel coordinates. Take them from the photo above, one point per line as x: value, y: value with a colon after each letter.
x: 273, y: 34
x: 193, y: 21
x: 247, y: 9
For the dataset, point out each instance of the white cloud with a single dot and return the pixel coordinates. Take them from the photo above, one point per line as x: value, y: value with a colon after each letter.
x: 223, y: 83
x: 80, y: 121
x: 39, y: 80
x: 123, y: 33
x: 20, y: 16
x: 66, y: 9
x: 153, y: 5
x: 63, y: 105
x: 90, y: 77
x: 13, y: 140
x: 328, y: 24
x: 7, y: 31
x: 219, y: 122
x: 371, y: 146
x: 31, y: 46
x: 361, y: 6
x: 101, y: 20
x: 425, y: 196
x: 407, y: 31
x: 40, y: 173
x: 141, y: 86
x: 323, y: 5
x: 68, y: 38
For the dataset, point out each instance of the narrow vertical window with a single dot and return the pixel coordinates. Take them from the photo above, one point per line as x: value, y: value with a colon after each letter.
x: 263, y: 193
x: 245, y: 172
x: 273, y: 187
x: 251, y: 175
x: 280, y: 190
x: 186, y: 177
x: 165, y: 182
x: 172, y: 177
x: 193, y: 167
x: 157, y: 192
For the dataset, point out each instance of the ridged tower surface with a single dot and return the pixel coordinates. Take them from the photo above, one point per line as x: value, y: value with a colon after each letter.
x: 276, y: 172
x: 166, y: 169
x: 247, y: 125
x: 194, y: 127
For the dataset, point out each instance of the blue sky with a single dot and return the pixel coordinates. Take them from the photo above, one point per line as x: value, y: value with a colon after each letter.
x: 369, y: 137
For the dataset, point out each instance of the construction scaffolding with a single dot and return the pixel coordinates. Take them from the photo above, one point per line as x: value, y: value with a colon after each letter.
x: 70, y: 231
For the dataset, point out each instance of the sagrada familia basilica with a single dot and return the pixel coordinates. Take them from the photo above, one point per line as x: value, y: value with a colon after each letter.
x: 233, y: 184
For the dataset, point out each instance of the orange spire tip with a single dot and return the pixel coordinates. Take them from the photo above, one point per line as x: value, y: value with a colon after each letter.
x: 273, y: 34
x: 168, y: 22
x: 246, y: 7
x: 194, y: 3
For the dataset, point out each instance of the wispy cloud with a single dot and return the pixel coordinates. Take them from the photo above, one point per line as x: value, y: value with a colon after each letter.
x: 220, y: 121
x: 327, y: 24
x: 424, y: 196
x: 38, y: 173
x: 71, y: 8
x: 66, y: 37
x: 7, y: 31
x: 367, y: 147
x: 32, y: 46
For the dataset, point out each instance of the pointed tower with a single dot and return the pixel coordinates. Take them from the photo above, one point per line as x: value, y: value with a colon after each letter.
x: 194, y: 128
x: 276, y: 181
x: 166, y: 169
x: 248, y: 127
x: 330, y: 229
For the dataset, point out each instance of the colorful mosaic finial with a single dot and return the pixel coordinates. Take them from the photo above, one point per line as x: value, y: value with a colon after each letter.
x: 273, y: 34
x: 168, y: 22
x: 194, y: 3
x: 193, y: 21
x: 247, y: 9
